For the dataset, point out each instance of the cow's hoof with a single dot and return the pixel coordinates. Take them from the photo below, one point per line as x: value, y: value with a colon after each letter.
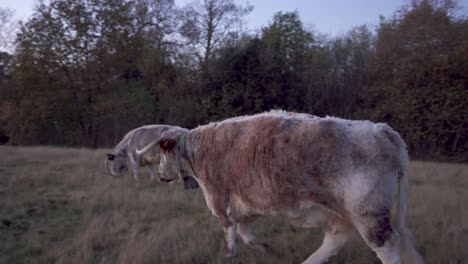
x: 230, y: 253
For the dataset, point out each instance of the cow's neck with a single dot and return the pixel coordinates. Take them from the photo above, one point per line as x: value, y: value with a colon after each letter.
x: 185, y: 157
x: 189, y: 152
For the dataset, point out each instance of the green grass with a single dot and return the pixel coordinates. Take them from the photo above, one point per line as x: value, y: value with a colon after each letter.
x: 58, y: 206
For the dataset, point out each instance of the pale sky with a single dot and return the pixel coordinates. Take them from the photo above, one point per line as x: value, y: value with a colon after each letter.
x: 327, y: 16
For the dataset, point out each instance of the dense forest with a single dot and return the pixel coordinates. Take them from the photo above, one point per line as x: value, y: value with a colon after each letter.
x: 84, y: 72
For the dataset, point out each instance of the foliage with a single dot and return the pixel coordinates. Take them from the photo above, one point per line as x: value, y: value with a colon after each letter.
x: 84, y: 72
x: 207, y: 24
x: 419, y: 78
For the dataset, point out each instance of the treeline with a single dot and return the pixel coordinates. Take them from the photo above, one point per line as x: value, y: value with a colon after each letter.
x: 84, y: 72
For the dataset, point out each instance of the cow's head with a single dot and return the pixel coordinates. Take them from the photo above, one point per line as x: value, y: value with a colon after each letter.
x: 170, y: 146
x: 116, y: 163
x: 170, y: 165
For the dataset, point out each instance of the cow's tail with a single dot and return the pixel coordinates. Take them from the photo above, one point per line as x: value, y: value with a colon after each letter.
x: 408, y: 251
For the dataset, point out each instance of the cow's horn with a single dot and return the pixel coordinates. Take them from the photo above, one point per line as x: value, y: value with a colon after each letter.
x: 147, y: 148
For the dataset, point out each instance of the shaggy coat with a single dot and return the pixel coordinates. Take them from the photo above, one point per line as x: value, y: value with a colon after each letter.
x: 338, y: 174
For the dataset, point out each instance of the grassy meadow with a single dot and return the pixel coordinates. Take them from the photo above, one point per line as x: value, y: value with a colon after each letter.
x: 58, y: 205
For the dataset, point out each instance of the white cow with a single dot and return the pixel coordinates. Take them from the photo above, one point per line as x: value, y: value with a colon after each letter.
x: 124, y: 155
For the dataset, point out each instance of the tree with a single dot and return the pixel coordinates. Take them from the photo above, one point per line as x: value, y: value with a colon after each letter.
x: 348, y: 57
x: 419, y: 77
x: 287, y: 47
x: 71, y: 57
x: 256, y: 74
x: 5, y: 59
x: 5, y: 65
x: 208, y: 24
x: 8, y: 28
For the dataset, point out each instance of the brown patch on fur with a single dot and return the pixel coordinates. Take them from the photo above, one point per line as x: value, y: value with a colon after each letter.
x: 268, y: 161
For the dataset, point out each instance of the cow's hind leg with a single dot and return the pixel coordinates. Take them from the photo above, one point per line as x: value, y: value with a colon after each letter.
x: 376, y: 229
x: 337, y: 234
x: 244, y: 230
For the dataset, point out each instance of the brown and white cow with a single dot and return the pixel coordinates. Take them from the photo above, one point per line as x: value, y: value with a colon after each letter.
x: 317, y: 172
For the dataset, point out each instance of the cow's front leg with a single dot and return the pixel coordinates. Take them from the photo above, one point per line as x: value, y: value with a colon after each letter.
x: 230, y: 231
x: 152, y: 172
x: 134, y: 165
x: 227, y: 217
x: 135, y: 174
x: 230, y: 237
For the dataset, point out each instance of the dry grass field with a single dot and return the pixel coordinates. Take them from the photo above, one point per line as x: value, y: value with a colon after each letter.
x: 58, y: 206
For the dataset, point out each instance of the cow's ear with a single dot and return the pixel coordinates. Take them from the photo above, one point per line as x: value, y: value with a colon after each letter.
x: 110, y: 156
x: 167, y: 144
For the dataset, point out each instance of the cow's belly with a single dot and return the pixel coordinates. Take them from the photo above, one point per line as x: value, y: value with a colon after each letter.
x: 308, y: 215
x: 313, y: 217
